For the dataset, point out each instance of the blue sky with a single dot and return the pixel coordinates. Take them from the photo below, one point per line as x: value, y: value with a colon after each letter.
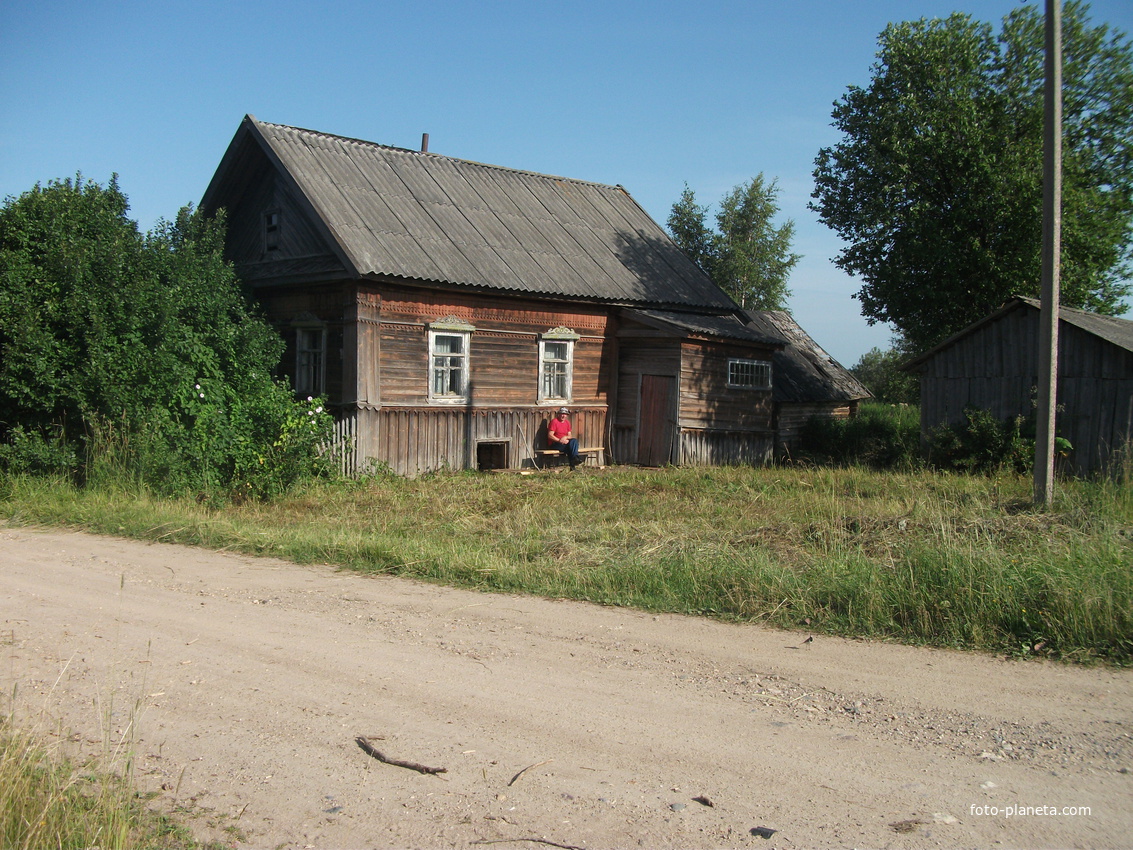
x: 649, y: 95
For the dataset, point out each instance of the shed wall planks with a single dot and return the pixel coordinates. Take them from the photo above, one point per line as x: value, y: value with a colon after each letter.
x: 995, y: 368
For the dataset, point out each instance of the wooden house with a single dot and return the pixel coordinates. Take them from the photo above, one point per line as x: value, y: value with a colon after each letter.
x: 993, y: 365
x: 808, y: 381
x: 446, y: 308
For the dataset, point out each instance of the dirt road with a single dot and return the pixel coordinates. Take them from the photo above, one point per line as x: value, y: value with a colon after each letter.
x: 247, y: 682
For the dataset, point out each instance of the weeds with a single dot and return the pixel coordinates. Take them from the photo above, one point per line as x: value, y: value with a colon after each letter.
x: 921, y: 557
x: 882, y: 436
x: 49, y: 800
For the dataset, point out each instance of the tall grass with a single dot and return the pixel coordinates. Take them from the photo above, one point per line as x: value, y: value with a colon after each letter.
x: 48, y: 800
x: 883, y: 436
x: 920, y: 557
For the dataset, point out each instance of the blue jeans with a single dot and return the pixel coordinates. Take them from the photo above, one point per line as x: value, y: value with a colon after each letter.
x: 570, y: 449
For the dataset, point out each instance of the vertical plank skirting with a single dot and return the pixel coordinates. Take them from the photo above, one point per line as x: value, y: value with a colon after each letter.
x: 413, y: 441
x: 725, y: 448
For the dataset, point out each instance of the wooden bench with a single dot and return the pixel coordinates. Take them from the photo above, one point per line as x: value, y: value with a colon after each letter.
x: 553, y: 457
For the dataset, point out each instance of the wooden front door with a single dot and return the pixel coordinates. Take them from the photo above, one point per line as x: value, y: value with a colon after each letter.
x: 655, y: 432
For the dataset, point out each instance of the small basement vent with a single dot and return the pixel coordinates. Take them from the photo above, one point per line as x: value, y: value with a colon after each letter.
x: 491, y: 455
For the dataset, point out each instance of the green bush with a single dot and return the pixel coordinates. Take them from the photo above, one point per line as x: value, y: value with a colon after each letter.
x: 37, y: 453
x: 984, y: 444
x: 138, y: 357
x: 883, y: 436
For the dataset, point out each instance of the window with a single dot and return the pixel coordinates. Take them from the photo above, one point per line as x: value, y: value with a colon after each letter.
x: 450, y: 365
x: 749, y: 374
x: 556, y: 369
x: 556, y: 364
x: 271, y: 230
x: 310, y: 348
x: 448, y: 360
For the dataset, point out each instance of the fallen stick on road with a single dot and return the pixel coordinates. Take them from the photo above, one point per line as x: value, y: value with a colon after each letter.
x: 536, y: 840
x: 369, y: 750
x: 537, y: 764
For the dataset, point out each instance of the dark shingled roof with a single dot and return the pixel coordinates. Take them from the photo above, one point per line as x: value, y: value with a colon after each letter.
x: 1110, y: 328
x: 803, y: 371
x: 421, y: 216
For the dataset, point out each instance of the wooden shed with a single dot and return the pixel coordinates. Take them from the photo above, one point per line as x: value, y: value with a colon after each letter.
x: 445, y: 308
x: 993, y: 365
x: 808, y: 381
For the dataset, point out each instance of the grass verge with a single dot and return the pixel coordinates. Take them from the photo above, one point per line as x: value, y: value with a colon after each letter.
x: 47, y: 800
x: 919, y: 557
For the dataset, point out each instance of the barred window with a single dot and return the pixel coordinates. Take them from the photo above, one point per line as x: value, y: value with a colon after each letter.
x: 749, y: 374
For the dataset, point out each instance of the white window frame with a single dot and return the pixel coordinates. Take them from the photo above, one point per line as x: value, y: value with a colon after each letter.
x: 310, y: 358
x: 747, y: 374
x: 556, y: 336
x: 461, y: 330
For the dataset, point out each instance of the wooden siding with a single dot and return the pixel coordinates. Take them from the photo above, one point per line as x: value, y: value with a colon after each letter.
x: 301, y: 250
x: 722, y: 425
x: 322, y: 304
x: 412, y: 441
x: 995, y: 368
x: 706, y: 447
x: 638, y: 357
x: 504, y: 368
x: 791, y: 418
x: 706, y: 399
x: 713, y: 423
x: 643, y: 357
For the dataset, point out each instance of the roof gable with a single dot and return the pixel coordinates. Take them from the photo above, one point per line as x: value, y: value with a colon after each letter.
x: 419, y: 216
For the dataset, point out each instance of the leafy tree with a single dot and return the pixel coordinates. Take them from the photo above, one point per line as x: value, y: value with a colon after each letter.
x: 881, y: 372
x: 687, y: 226
x: 937, y: 182
x: 747, y: 255
x: 140, y: 344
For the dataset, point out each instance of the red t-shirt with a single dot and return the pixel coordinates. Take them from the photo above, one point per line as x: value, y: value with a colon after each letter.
x: 557, y: 429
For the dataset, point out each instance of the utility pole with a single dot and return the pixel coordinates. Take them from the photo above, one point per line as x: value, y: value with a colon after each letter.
x: 1051, y: 257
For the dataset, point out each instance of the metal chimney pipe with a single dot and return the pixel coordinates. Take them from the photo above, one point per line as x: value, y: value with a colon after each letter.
x: 424, y: 143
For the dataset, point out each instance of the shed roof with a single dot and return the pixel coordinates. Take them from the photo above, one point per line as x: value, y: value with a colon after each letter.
x: 1117, y: 331
x: 730, y: 327
x: 804, y: 372
x: 391, y: 212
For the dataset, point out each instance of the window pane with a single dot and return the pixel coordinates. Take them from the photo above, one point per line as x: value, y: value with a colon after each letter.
x: 555, y: 380
x: 754, y: 374
x: 446, y: 376
x: 555, y: 350
x: 448, y: 344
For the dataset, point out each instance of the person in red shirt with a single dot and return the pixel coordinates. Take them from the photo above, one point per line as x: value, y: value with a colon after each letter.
x: 559, y: 437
